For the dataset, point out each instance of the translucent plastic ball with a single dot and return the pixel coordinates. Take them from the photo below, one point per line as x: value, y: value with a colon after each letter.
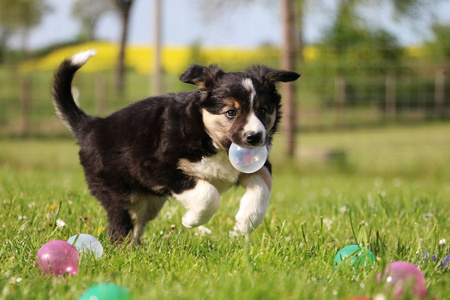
x: 403, y: 279
x: 247, y: 160
x: 87, y: 244
x: 57, y: 257
x: 106, y: 291
x: 355, y: 256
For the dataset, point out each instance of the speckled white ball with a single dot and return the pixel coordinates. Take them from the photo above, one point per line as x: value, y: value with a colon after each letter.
x: 247, y: 160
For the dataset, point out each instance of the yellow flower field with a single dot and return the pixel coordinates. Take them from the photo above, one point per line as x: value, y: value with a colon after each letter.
x: 175, y: 59
x: 140, y: 57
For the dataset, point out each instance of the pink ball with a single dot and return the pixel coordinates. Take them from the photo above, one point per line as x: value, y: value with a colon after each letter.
x: 403, y: 278
x: 58, y: 257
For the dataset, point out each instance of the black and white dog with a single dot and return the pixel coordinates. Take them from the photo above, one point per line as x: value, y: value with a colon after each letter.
x: 176, y: 145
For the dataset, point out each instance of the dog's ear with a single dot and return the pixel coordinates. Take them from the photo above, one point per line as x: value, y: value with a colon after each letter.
x: 203, y: 77
x: 271, y: 76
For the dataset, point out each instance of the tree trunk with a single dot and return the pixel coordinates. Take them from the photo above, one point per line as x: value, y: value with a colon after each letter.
x: 288, y: 89
x: 124, y: 7
x: 157, y: 72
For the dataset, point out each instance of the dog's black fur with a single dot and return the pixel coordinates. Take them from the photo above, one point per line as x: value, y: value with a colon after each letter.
x: 137, y: 150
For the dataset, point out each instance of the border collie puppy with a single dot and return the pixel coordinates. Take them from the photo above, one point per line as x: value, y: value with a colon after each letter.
x: 176, y: 146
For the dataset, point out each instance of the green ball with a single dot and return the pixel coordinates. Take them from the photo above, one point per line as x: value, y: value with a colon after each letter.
x: 355, y: 256
x: 106, y: 291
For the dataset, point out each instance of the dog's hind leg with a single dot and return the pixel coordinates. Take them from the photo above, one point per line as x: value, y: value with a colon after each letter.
x: 120, y: 224
x: 201, y: 202
x: 143, y: 209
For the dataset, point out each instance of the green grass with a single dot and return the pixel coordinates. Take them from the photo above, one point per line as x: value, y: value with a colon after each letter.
x: 391, y: 193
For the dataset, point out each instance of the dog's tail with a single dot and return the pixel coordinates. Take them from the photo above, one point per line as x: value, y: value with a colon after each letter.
x: 72, y: 116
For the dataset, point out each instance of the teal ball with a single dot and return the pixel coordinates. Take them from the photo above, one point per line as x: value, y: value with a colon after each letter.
x: 355, y: 256
x: 106, y: 291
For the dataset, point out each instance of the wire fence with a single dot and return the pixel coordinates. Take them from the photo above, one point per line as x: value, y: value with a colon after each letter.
x: 328, y: 96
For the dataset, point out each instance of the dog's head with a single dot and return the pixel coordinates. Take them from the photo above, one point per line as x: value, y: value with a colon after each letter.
x: 239, y: 107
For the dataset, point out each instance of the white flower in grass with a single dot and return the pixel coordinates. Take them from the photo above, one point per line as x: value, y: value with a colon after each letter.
x: 32, y: 204
x: 60, y: 223
x: 202, y: 230
x: 233, y: 233
x: 15, y: 280
x: 343, y: 209
x: 327, y: 222
x: 379, y: 297
x: 22, y: 218
x: 442, y: 242
x: 427, y: 215
x: 171, y: 212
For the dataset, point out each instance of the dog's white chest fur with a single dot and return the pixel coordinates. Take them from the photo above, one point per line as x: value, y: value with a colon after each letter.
x: 216, y: 169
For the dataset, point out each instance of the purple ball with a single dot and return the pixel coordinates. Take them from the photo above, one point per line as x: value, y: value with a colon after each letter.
x: 58, y: 257
x: 403, y: 277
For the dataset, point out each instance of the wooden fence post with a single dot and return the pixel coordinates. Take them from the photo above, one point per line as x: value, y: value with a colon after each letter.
x: 391, y: 95
x: 439, y: 92
x: 25, y: 100
x: 100, y: 95
x: 340, y: 99
x: 288, y: 89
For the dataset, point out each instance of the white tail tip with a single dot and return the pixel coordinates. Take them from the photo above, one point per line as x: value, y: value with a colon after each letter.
x: 81, y: 58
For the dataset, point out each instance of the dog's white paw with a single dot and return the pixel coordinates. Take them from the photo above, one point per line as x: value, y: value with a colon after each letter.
x: 244, y: 225
x: 191, y: 220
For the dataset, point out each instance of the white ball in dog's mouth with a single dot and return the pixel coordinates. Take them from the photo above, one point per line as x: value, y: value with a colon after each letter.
x: 247, y: 160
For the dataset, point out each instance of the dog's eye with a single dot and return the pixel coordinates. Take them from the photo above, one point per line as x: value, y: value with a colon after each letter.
x: 231, y: 113
x: 262, y: 111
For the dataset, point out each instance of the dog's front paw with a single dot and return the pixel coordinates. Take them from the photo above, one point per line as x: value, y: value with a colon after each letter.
x: 191, y: 220
x: 244, y: 225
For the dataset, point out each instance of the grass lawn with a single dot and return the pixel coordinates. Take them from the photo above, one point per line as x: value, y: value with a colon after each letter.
x: 390, y: 193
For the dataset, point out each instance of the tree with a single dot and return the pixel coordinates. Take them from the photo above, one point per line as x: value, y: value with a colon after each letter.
x: 123, y: 8
x: 439, y: 46
x: 20, y: 17
x: 89, y: 13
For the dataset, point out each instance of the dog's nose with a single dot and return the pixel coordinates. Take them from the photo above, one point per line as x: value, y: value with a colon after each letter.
x: 253, y: 138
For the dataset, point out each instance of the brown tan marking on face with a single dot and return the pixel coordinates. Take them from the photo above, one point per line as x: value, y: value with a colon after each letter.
x: 271, y: 120
x: 217, y: 126
x: 231, y: 103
